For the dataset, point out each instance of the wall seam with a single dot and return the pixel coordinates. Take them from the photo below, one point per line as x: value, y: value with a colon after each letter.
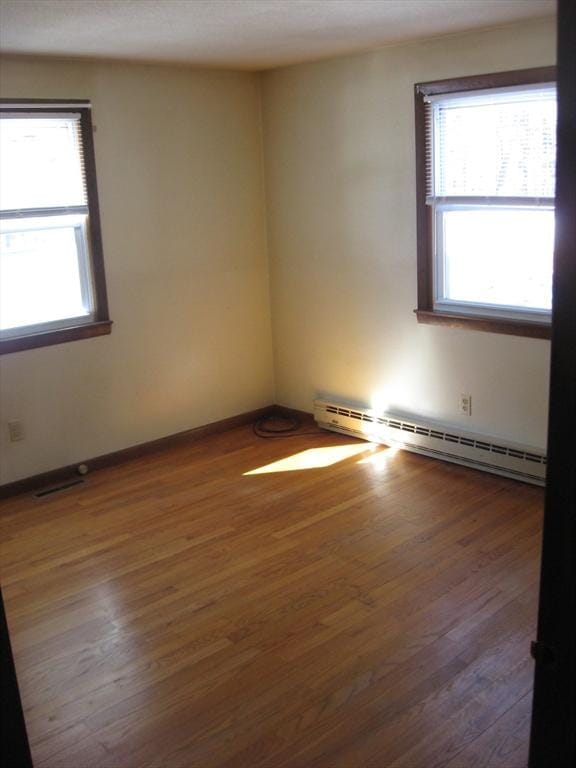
x: 259, y: 82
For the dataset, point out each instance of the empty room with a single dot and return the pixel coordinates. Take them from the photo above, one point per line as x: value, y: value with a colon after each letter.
x: 276, y: 332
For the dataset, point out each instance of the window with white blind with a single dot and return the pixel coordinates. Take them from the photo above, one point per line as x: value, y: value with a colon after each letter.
x: 486, y: 153
x: 52, y: 286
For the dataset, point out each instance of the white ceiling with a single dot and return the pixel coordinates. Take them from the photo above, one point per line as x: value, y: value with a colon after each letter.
x: 242, y: 34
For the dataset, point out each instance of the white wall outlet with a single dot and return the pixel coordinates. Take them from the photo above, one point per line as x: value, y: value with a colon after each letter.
x: 15, y: 430
x: 465, y: 405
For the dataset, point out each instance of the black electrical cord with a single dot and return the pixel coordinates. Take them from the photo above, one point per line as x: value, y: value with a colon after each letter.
x: 278, y: 425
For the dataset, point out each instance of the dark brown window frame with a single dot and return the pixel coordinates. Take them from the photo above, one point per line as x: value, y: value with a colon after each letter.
x: 425, y: 312
x: 101, y: 324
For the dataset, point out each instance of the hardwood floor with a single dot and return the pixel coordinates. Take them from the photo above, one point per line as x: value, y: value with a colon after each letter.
x: 176, y: 612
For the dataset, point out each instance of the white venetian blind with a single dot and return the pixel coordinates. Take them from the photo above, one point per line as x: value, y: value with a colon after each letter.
x: 42, y: 162
x: 500, y: 143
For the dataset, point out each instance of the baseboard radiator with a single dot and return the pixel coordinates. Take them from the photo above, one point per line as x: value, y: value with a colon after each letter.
x: 440, y: 441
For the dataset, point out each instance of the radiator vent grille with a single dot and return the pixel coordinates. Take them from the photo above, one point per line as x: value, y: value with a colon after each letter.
x: 441, y: 441
x: 57, y: 488
x: 406, y: 426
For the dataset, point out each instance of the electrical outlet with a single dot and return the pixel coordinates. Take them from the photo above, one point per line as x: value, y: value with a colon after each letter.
x: 466, y: 405
x: 15, y: 430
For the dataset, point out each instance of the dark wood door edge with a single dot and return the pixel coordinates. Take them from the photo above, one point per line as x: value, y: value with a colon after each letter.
x: 14, y: 739
x: 553, y: 732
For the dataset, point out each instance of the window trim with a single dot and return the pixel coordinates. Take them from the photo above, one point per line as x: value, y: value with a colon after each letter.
x: 426, y: 311
x: 99, y: 323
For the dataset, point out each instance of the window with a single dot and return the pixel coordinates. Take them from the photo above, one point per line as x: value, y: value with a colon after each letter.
x: 52, y: 286
x: 486, y: 152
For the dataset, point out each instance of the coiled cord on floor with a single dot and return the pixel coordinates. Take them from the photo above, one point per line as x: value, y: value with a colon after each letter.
x: 277, y: 424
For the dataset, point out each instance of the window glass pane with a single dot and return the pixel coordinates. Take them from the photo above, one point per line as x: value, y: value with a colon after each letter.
x: 499, y: 256
x: 507, y: 147
x: 43, y: 274
x: 42, y: 164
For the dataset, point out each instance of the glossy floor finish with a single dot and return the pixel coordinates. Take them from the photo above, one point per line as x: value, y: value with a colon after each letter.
x: 348, y: 608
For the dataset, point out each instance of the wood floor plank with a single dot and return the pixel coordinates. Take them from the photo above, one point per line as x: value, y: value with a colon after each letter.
x: 503, y: 745
x: 177, y: 612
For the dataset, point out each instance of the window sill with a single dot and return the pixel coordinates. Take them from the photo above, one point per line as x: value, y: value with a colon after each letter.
x: 532, y: 330
x: 60, y: 336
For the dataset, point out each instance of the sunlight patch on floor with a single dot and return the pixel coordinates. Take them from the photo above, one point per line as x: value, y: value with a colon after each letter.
x: 314, y: 458
x: 381, y: 459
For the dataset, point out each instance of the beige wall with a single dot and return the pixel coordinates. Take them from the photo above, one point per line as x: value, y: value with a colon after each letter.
x: 339, y: 155
x: 178, y: 155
